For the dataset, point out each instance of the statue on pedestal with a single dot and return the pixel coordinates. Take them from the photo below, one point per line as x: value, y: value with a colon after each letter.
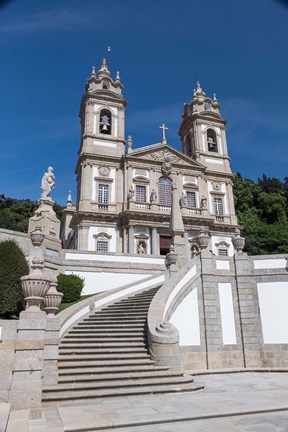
x: 47, y: 183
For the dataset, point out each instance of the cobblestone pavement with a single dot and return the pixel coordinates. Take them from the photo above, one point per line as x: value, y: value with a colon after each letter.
x: 230, y: 402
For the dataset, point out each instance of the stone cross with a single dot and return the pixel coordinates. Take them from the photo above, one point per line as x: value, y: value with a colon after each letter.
x: 163, y: 127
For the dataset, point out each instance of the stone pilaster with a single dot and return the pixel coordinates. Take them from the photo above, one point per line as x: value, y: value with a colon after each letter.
x: 83, y: 233
x: 50, y: 354
x: 154, y: 238
x: 26, y: 387
x: 211, y: 311
x: 131, y: 239
x: 249, y: 319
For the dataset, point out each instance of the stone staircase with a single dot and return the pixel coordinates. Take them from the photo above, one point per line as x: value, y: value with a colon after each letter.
x: 106, y: 355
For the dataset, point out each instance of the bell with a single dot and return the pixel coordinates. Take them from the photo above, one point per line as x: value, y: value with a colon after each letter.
x: 104, y: 128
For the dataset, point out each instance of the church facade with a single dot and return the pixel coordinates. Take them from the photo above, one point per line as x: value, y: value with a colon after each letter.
x: 124, y: 195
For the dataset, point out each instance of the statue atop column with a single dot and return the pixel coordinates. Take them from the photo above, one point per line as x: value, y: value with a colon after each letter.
x: 45, y: 217
x: 47, y: 183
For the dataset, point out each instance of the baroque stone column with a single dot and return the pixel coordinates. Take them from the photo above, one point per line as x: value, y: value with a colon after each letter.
x: 154, y: 238
x: 131, y: 239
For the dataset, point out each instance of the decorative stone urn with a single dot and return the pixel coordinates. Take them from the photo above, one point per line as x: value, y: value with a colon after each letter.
x: 238, y: 241
x: 52, y: 299
x: 36, y: 284
x: 202, y: 240
x: 171, y: 257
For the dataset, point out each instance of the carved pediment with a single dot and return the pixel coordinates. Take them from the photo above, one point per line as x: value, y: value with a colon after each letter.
x: 165, y: 154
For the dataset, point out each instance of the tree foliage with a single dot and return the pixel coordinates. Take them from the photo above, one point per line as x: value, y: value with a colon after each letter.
x: 13, y: 266
x: 262, y: 210
x: 15, y: 214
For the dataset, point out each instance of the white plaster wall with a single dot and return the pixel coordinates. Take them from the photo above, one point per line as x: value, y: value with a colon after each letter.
x: 185, y: 179
x: 186, y: 320
x: 215, y: 161
x: 104, y: 144
x: 97, y: 282
x: 227, y: 314
x: 273, y: 303
x: 222, y: 265
x: 114, y: 258
x: 216, y: 239
x: 146, y: 175
x: 270, y: 263
x: 177, y: 289
x: 96, y: 230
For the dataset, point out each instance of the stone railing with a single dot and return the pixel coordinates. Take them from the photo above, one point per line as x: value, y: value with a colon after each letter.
x: 163, y: 337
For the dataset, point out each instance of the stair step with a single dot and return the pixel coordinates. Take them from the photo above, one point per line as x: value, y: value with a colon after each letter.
x: 113, y: 326
x: 115, y: 384
x: 117, y: 315
x: 113, y: 321
x: 70, y: 398
x: 116, y: 336
x: 105, y: 355
x: 70, y: 343
x: 116, y: 371
x: 128, y: 376
x: 125, y: 356
x: 84, y: 363
x: 102, y: 350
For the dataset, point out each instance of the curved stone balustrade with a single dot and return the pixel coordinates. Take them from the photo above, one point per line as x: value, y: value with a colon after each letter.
x: 163, y: 337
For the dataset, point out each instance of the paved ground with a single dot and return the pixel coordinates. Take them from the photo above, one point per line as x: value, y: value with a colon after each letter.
x: 245, y: 401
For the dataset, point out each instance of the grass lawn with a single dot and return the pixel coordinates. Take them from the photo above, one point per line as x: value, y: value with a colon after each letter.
x: 66, y: 305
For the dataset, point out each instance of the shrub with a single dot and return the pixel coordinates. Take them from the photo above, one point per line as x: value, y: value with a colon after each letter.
x: 71, y: 286
x: 13, y: 266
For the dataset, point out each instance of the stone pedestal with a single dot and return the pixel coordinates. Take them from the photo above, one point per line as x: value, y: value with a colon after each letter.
x: 26, y: 387
x: 51, y: 349
x: 45, y: 218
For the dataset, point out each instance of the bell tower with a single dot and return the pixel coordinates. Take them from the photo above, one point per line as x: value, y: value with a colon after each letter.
x: 99, y: 179
x: 203, y: 133
x: 102, y: 114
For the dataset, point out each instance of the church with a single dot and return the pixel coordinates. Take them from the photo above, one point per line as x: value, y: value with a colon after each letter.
x: 168, y: 289
x: 124, y: 195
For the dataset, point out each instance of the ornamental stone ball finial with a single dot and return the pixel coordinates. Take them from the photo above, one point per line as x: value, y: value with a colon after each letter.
x: 47, y: 183
x: 93, y: 72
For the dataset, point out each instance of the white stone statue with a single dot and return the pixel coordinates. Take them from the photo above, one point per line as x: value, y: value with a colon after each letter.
x: 183, y: 200
x: 47, y: 183
x: 141, y: 249
x: 153, y: 196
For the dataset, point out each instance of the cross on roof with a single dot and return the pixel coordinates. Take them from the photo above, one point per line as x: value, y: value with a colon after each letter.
x: 163, y: 127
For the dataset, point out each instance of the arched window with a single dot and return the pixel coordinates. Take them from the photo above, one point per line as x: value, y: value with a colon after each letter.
x: 105, y: 85
x: 207, y: 106
x: 105, y: 122
x: 212, y: 141
x: 165, y: 191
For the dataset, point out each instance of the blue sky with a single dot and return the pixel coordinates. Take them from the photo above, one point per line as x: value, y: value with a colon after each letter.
x: 236, y: 48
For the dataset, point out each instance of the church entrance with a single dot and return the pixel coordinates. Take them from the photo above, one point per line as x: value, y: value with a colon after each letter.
x: 164, y: 244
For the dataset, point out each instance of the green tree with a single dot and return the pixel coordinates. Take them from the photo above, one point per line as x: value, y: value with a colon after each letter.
x: 15, y: 214
x: 13, y: 266
x: 261, y: 208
